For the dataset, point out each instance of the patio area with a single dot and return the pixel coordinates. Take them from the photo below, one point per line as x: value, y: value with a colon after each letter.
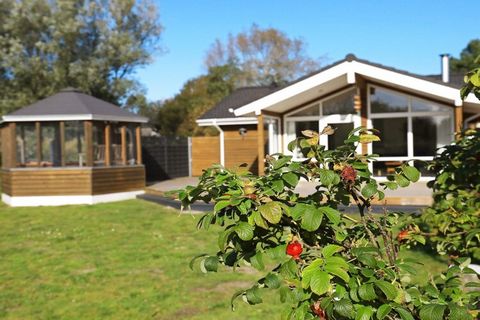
x: 417, y: 194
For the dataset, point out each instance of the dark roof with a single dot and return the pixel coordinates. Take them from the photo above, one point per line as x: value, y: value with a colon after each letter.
x: 72, y: 102
x: 236, y: 99
x: 243, y: 96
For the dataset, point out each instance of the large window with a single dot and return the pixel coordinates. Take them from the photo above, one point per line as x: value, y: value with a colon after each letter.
x: 26, y: 144
x: 50, y: 145
x: 336, y: 110
x: 410, y: 128
x: 116, y: 146
x: 98, y: 135
x: 74, y: 152
x: 131, y: 144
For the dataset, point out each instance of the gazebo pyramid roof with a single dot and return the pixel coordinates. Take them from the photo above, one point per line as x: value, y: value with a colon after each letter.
x: 72, y: 104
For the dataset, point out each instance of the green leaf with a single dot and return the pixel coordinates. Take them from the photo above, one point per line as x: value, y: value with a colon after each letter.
x: 332, y: 214
x: 277, y: 185
x: 383, y: 311
x: 326, y: 176
x: 308, y: 272
x: 458, y: 313
x: 320, y: 282
x: 257, y: 261
x: 271, y: 211
x: 272, y: 281
x: 391, y: 185
x: 337, y: 271
x: 364, y: 313
x: 344, y: 308
x: 387, y: 288
x: 259, y: 221
x: 281, y: 162
x: 312, y: 218
x: 277, y: 253
x: 244, y: 231
x: 291, y: 179
x: 253, y: 296
x: 211, y: 264
x: 401, y: 180
x: 220, y: 205
x: 411, y: 173
x: 336, y: 262
x: 299, y: 209
x: 223, y: 238
x: 289, y: 269
x: 369, y: 189
x: 367, y: 292
x: 330, y: 249
x: 403, y: 313
x: 234, y: 297
x: 367, y: 138
x: 432, y: 312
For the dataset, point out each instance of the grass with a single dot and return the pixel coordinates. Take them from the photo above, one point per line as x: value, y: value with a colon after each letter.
x: 125, y: 260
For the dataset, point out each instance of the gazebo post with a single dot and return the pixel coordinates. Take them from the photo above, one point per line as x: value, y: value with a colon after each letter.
x: 138, y: 136
x: 39, y: 143
x: 123, y: 133
x: 62, y: 143
x: 107, y: 144
x: 9, y: 146
x: 88, y: 127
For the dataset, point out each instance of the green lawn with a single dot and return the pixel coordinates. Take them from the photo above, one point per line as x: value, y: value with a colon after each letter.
x: 125, y: 260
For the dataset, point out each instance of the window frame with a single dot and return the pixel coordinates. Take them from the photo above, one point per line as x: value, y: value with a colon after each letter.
x: 409, y: 115
x: 321, y: 119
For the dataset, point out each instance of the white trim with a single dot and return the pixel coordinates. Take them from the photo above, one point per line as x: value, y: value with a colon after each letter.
x: 72, y: 117
x: 226, y: 121
x: 35, y: 201
x: 350, y: 69
x: 295, y: 89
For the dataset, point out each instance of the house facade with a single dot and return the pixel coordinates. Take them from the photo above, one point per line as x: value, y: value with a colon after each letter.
x: 415, y: 114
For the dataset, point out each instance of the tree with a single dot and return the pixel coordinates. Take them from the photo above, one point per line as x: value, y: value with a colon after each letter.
x: 467, y: 58
x: 177, y: 116
x: 93, y: 45
x: 263, y: 56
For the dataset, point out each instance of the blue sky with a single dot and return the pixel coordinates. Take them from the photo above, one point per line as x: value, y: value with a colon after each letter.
x: 407, y: 35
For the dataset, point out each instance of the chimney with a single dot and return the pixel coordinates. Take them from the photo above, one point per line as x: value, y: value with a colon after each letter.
x: 445, y: 67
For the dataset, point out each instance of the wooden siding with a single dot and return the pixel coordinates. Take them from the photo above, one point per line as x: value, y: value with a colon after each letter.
x: 205, y: 152
x: 117, y: 179
x: 8, y: 145
x: 78, y: 181
x: 46, y: 182
x: 241, y: 149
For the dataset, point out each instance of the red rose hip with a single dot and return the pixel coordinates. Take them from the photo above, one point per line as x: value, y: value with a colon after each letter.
x: 294, y: 249
x: 402, y: 235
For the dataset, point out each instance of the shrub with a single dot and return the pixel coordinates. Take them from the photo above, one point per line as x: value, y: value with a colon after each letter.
x: 452, y: 223
x: 323, y: 263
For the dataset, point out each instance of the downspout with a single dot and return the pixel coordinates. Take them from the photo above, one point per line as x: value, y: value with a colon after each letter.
x: 222, y: 142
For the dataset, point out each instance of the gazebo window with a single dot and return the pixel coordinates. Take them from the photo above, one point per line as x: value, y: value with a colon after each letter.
x: 50, y: 145
x: 74, y: 144
x: 131, y: 144
x: 26, y: 144
x: 98, y: 135
x: 116, y: 145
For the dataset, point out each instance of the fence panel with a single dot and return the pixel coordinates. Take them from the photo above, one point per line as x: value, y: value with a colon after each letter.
x: 166, y: 157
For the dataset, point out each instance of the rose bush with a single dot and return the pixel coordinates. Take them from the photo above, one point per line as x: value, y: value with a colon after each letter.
x: 324, y: 264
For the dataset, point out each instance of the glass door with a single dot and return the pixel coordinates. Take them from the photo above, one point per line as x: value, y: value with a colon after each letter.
x: 342, y: 124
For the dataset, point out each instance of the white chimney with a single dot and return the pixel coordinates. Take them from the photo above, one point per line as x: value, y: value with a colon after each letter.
x: 445, y: 67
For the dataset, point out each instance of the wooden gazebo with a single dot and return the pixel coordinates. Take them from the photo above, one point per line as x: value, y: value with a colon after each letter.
x: 71, y: 148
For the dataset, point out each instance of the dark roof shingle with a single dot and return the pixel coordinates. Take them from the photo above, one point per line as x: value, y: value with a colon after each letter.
x: 236, y: 99
x: 72, y: 102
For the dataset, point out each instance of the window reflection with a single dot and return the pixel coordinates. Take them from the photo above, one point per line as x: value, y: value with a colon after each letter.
x: 386, y: 101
